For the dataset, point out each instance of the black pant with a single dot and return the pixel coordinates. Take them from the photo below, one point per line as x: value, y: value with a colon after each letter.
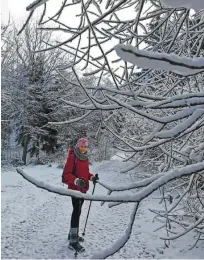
x: 77, y: 205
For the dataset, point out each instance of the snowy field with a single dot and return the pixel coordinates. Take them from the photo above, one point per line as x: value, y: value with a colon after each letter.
x: 35, y: 222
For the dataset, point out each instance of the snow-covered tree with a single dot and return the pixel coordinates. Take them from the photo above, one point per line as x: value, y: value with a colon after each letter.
x: 29, y: 91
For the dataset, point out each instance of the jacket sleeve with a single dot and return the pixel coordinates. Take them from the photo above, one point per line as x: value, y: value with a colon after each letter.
x: 69, y: 177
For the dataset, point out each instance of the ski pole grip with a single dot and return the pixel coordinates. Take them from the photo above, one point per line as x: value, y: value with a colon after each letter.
x: 96, y: 178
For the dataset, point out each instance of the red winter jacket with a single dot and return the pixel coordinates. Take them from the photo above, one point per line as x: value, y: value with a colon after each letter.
x: 82, y: 171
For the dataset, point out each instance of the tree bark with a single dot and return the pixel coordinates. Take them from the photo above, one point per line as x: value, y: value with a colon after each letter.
x: 25, y: 149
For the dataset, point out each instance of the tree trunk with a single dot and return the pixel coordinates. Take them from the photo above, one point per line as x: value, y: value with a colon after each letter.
x: 25, y: 149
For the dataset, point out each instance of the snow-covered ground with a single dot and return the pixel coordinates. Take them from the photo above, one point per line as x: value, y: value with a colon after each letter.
x: 35, y: 222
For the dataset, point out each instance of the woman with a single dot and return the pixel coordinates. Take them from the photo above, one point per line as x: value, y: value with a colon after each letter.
x: 77, y: 176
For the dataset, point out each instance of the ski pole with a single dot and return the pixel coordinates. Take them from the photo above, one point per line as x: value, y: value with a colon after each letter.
x: 89, y: 206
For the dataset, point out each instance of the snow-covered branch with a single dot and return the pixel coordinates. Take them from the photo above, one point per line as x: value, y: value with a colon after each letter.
x: 121, y: 241
x: 35, y: 4
x: 196, y: 4
x: 178, y: 129
x: 137, y: 197
x: 162, y: 61
x: 71, y: 120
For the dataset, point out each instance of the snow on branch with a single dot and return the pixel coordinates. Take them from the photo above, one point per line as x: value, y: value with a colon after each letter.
x: 127, y: 93
x: 178, y: 129
x: 184, y: 100
x: 186, y: 231
x: 35, y: 4
x: 189, y: 4
x: 71, y: 120
x: 92, y: 107
x: 160, y: 61
x: 197, y: 125
x: 132, y: 185
x: 137, y: 197
x: 184, y: 193
x: 66, y: 192
x: 121, y: 241
x: 166, y: 119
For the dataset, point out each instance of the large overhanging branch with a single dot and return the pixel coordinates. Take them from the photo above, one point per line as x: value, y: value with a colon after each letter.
x: 119, y: 243
x: 137, y: 197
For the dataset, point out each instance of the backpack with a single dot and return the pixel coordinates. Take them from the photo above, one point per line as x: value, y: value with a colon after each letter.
x: 73, y: 171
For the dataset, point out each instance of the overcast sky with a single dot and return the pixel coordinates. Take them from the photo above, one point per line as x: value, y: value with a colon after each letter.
x: 16, y: 8
x: 18, y: 13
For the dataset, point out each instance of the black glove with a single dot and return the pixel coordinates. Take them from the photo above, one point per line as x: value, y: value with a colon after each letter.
x: 80, y: 182
x: 95, y: 179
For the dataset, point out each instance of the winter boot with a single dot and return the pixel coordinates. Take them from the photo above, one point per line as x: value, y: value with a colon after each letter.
x: 76, y: 246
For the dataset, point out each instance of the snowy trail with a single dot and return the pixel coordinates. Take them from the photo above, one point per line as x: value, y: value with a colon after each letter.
x: 35, y: 222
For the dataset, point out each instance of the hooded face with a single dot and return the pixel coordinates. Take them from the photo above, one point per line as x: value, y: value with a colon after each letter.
x: 83, y: 149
